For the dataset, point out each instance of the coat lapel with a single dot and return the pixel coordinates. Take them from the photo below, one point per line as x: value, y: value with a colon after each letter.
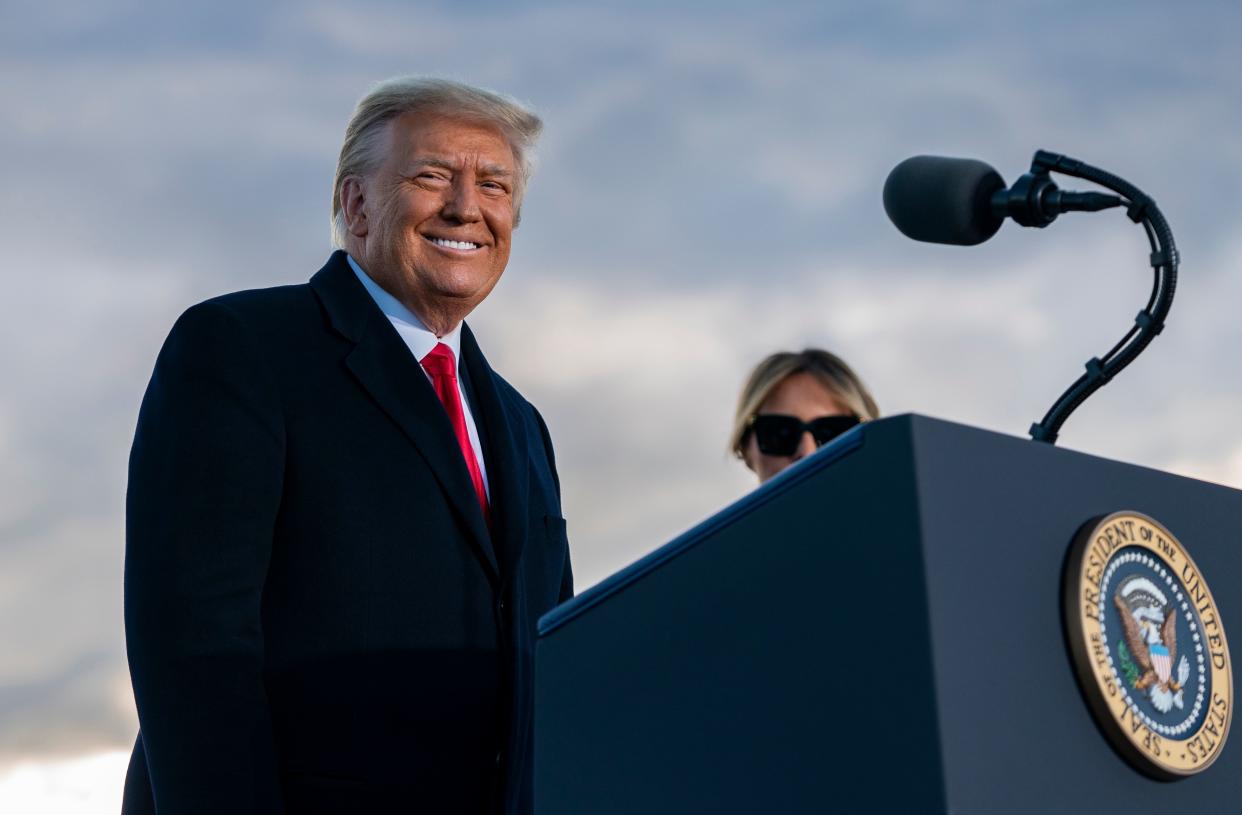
x: 385, y: 368
x: 507, y: 475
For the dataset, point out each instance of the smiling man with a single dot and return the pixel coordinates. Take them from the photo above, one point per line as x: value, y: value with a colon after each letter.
x: 342, y: 523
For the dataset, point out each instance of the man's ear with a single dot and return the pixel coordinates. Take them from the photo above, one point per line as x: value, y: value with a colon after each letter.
x: 353, y: 201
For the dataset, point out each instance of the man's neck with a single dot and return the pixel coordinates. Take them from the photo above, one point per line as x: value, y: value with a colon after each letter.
x: 396, y: 306
x: 420, y: 338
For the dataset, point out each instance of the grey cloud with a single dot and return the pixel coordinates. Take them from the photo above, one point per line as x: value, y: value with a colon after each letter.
x: 708, y: 191
x: 67, y: 712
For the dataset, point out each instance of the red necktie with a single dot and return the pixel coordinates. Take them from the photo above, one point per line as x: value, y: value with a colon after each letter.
x: 442, y: 369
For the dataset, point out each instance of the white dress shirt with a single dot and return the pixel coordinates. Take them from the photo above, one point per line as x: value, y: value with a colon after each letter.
x: 420, y: 340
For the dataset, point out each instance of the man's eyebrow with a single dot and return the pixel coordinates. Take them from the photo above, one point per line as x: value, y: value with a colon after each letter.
x: 495, y: 170
x: 489, y: 170
x: 432, y: 161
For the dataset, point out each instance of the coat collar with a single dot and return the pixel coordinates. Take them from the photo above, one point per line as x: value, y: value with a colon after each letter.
x: 386, y: 369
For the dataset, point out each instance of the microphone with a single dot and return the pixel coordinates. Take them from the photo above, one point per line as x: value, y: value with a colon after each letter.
x: 963, y: 201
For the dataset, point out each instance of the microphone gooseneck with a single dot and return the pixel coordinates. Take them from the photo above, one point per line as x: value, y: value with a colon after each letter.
x: 965, y: 202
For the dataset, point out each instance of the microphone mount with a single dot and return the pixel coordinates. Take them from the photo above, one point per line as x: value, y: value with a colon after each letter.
x: 1035, y: 200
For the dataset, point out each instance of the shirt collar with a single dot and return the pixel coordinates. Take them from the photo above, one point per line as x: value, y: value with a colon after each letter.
x: 417, y: 336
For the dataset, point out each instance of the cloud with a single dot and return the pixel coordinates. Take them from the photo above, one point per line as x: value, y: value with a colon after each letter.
x: 88, y: 785
x: 63, y: 681
x: 708, y: 192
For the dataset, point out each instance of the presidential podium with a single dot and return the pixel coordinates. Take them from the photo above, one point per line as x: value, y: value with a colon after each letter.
x: 878, y: 629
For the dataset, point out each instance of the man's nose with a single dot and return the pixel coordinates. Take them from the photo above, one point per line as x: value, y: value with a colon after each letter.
x: 462, y: 201
x: 806, y: 446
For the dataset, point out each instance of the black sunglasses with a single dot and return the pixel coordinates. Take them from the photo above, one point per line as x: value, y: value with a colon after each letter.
x: 779, y: 435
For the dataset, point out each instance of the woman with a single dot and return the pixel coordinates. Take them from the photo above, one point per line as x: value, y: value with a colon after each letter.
x: 793, y: 403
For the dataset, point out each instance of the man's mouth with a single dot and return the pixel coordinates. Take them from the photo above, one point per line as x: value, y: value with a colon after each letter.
x: 461, y: 246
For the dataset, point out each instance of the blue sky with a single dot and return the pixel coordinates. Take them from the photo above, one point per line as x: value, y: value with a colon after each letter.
x: 708, y: 190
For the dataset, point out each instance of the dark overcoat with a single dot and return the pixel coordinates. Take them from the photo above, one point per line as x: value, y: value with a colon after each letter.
x: 318, y: 618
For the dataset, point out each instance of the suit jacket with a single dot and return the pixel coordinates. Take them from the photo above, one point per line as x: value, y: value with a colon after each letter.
x: 318, y: 618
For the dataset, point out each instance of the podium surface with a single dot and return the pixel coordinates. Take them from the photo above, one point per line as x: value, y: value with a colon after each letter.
x: 878, y: 629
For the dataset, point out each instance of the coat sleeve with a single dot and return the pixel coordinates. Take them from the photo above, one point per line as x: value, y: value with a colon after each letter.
x: 205, y: 481
x: 567, y: 573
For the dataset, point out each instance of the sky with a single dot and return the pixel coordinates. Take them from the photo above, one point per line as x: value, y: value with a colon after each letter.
x: 707, y: 192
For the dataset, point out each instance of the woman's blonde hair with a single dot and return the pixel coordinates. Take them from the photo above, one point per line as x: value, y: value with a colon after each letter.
x: 828, y: 368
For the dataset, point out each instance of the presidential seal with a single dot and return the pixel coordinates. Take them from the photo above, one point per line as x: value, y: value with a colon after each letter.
x: 1148, y: 645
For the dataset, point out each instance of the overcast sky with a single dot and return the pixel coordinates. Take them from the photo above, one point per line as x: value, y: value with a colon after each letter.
x: 708, y: 191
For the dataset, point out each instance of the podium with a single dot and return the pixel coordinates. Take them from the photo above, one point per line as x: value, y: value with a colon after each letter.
x: 880, y: 628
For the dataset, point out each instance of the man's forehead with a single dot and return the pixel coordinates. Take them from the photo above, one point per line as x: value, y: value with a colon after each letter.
x: 450, y: 142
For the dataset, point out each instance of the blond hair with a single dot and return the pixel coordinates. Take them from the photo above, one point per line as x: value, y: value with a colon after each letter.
x: 361, y: 150
x: 827, y: 368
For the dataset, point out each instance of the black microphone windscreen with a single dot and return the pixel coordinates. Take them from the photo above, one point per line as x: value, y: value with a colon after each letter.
x: 943, y: 200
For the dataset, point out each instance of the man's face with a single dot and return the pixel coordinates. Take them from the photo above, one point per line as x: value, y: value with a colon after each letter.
x: 439, y: 215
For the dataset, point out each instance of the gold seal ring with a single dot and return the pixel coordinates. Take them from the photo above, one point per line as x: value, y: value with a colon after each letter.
x: 1148, y: 645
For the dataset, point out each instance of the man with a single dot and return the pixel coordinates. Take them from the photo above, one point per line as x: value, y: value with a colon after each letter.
x: 336, y: 555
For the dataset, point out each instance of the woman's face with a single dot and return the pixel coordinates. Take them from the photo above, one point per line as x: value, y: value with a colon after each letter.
x: 799, y: 395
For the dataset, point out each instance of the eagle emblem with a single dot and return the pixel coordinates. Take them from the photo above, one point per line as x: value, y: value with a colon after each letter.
x: 1150, y: 629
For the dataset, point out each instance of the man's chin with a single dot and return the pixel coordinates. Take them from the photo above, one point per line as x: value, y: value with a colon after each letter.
x: 464, y: 290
